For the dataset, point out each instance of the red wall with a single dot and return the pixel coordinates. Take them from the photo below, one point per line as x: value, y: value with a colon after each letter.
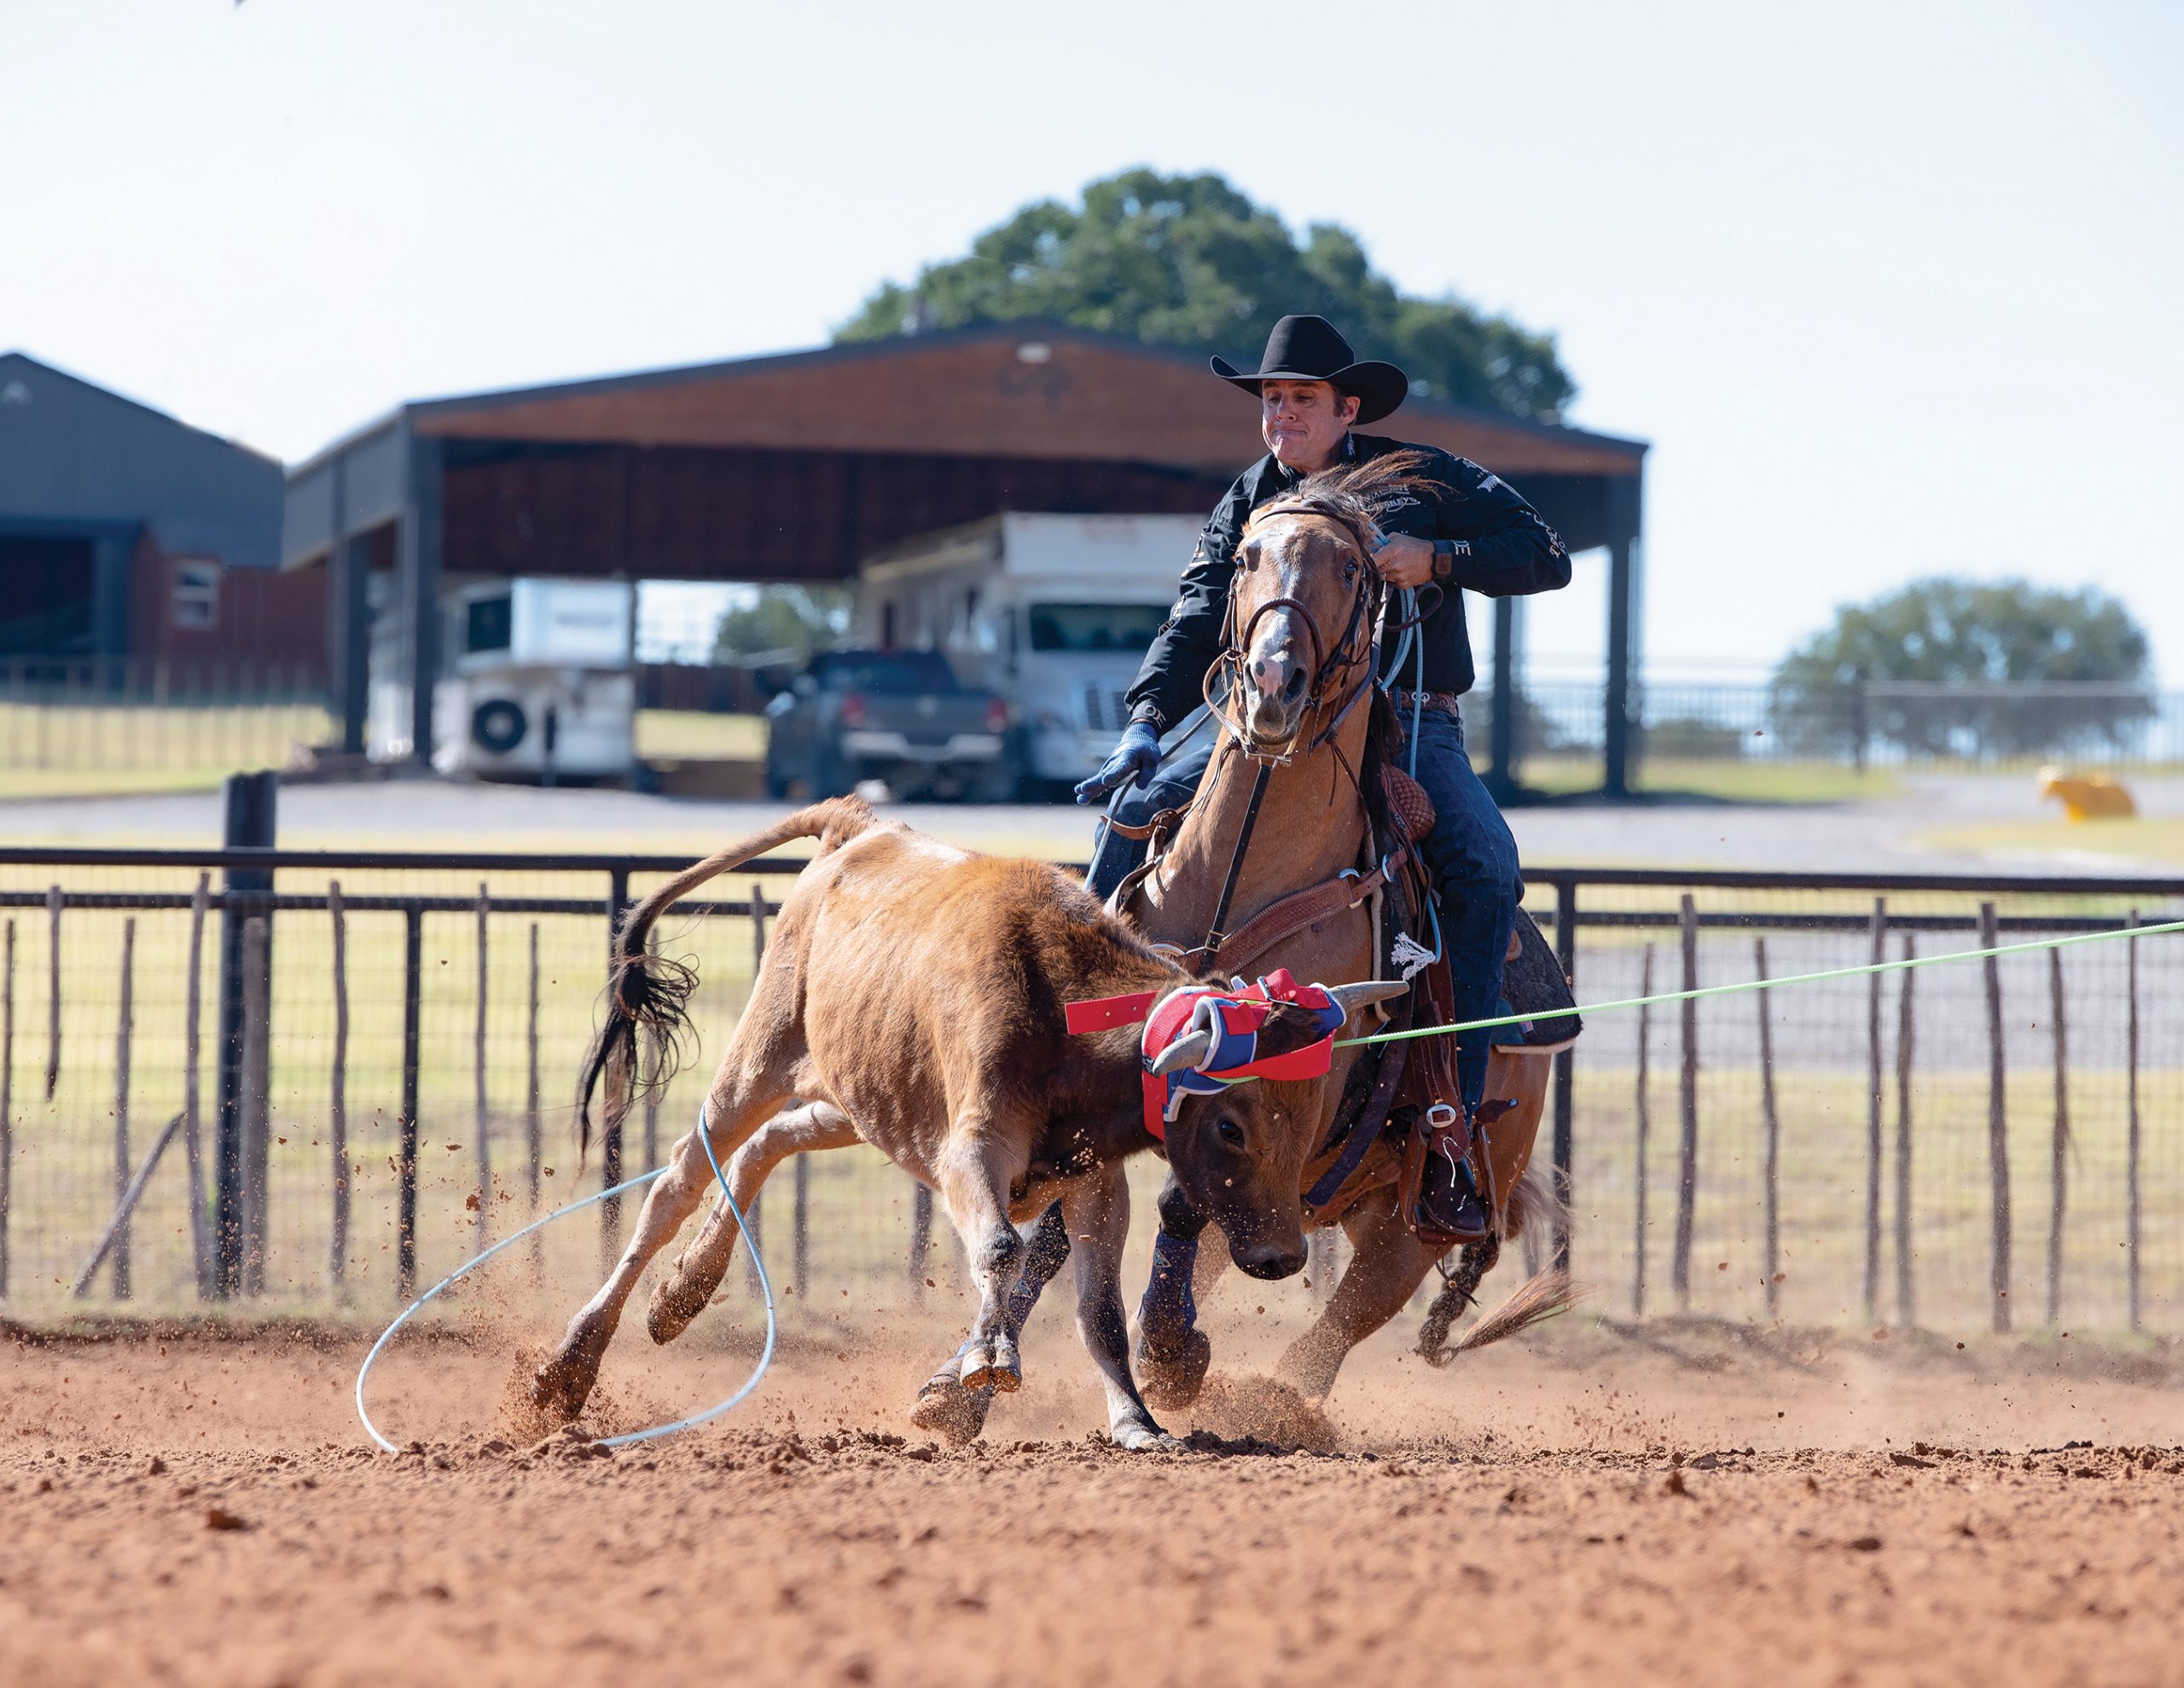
x: 264, y: 615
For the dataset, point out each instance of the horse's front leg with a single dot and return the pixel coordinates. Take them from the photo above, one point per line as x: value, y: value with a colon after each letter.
x: 1172, y: 1353
x: 1386, y: 1266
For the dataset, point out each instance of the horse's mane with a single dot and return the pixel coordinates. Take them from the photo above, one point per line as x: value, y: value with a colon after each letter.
x: 1355, y: 494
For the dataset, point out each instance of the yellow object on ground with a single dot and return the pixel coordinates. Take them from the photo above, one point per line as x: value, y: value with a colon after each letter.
x: 2086, y: 796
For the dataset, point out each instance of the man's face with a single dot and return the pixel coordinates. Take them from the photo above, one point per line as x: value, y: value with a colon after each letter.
x: 1303, y: 422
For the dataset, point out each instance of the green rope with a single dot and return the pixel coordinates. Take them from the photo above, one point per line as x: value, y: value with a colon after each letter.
x: 1869, y: 967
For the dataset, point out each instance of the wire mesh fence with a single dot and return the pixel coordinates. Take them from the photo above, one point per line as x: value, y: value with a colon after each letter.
x: 103, y: 715
x: 1956, y: 1147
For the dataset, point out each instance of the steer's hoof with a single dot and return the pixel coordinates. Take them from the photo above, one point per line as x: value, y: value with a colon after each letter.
x: 1142, y: 1435
x: 994, y: 1368
x: 1171, y: 1381
x: 951, y: 1412
x: 674, y: 1305
x: 560, y: 1387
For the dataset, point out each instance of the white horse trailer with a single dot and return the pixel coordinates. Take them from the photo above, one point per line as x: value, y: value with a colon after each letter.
x: 1054, y: 613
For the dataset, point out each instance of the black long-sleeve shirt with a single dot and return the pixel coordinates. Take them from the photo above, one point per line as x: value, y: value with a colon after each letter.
x: 1503, y: 550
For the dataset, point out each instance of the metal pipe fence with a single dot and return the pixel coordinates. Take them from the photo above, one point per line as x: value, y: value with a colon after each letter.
x: 1962, y: 1147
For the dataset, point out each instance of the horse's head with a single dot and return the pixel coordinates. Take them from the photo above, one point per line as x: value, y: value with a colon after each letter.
x: 1304, y: 598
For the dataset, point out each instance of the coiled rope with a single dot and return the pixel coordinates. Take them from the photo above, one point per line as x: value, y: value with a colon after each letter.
x: 757, y: 1261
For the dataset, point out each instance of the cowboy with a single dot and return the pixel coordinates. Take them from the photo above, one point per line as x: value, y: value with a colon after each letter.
x: 1473, y: 532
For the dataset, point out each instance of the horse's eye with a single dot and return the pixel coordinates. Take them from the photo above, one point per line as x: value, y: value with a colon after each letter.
x: 1349, y: 573
x: 1231, y: 1132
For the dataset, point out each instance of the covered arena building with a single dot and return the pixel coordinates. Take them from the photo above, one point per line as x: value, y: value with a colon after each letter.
x: 795, y: 468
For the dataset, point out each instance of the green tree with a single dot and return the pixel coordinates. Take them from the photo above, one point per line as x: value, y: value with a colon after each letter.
x: 1964, y: 634
x: 795, y: 620
x: 1188, y: 261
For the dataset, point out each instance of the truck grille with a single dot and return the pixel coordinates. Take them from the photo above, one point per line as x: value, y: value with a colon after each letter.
x: 1104, y: 709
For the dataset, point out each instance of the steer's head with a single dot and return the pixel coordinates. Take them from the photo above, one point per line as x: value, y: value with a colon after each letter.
x: 1239, y: 1155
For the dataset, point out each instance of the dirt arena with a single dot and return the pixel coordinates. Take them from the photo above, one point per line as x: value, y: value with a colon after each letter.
x: 1690, y: 1504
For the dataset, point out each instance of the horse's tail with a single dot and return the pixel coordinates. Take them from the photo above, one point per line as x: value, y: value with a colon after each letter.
x: 651, y: 994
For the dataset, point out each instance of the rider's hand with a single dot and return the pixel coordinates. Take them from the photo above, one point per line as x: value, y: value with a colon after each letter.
x: 1404, y: 560
x: 1136, y: 754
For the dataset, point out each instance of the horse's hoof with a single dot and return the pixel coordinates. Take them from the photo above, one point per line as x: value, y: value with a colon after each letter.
x: 674, y: 1305
x: 1169, y: 1382
x: 949, y: 1410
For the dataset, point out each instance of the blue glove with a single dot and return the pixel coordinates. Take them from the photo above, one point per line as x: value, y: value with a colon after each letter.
x: 1136, y: 754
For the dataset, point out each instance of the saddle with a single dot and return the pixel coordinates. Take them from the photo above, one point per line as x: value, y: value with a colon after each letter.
x: 1407, y: 1091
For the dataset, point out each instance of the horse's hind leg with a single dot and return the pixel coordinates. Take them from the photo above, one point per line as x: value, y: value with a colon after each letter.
x: 944, y: 1405
x: 745, y: 1093
x: 684, y: 1295
x: 1385, y: 1271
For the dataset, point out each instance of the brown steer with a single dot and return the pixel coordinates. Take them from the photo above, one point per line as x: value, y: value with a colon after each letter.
x: 914, y: 992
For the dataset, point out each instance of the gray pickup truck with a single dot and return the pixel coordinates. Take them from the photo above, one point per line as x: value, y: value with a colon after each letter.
x: 894, y: 715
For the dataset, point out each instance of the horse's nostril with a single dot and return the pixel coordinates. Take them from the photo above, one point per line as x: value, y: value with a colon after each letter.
x: 1296, y: 685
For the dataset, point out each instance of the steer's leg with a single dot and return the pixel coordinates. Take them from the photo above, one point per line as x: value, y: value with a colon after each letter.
x: 1388, y: 1265
x: 943, y: 1404
x: 684, y: 1295
x: 979, y: 1165
x: 741, y: 1101
x: 1097, y: 1208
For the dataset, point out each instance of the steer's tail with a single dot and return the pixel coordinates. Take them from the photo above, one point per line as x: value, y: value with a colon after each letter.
x: 649, y: 995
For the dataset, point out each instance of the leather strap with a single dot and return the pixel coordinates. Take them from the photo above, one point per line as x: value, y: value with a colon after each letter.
x: 1365, y: 1129
x: 1291, y: 914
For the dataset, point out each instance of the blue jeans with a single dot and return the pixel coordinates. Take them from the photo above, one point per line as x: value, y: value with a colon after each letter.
x: 1470, y: 854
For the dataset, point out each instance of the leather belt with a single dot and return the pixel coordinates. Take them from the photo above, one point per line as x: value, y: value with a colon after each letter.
x: 1443, y: 702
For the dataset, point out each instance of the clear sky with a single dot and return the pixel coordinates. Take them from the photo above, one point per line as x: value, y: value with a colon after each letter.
x: 1893, y: 288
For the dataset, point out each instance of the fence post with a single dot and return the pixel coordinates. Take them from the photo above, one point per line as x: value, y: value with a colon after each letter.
x: 533, y: 1135
x: 250, y: 801
x: 193, y: 1145
x: 1907, y: 1309
x: 1645, y: 1132
x: 1872, y: 1111
x: 1565, y: 955
x: 405, y: 1209
x: 123, y: 1033
x: 1998, y: 1140
x: 484, y: 1123
x: 1686, y: 1190
x: 2131, y: 1121
x: 53, y: 901
x: 337, y: 1247
x: 921, y: 1236
x: 610, y: 1138
x: 7, y: 1097
x: 2059, y: 1147
x: 1771, y: 1123
x: 256, y: 1144
x: 802, y: 1241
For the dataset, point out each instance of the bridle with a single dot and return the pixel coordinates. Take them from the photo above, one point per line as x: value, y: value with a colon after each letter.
x: 1330, y: 668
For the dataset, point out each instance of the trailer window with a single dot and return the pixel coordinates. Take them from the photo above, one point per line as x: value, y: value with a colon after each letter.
x: 1094, y: 627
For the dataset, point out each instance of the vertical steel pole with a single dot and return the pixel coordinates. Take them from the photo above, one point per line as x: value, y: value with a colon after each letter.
x: 250, y: 818
x: 1771, y: 1123
x: 123, y: 1035
x: 1565, y: 954
x: 1998, y: 1138
x: 2131, y: 1123
x: 2058, y: 1149
x: 1687, y: 1186
x: 1907, y: 1307
x: 1872, y: 1111
x: 337, y: 1124
x: 405, y: 1218
x: 1645, y: 1109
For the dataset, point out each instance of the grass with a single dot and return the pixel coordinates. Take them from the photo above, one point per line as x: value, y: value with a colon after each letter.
x: 2145, y: 839
x: 1727, y: 777
x: 667, y: 734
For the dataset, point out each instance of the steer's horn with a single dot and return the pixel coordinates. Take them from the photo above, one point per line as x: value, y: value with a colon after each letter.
x: 1356, y: 997
x: 1184, y: 1052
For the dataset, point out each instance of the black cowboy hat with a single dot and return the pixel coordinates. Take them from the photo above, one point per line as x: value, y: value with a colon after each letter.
x: 1308, y: 349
